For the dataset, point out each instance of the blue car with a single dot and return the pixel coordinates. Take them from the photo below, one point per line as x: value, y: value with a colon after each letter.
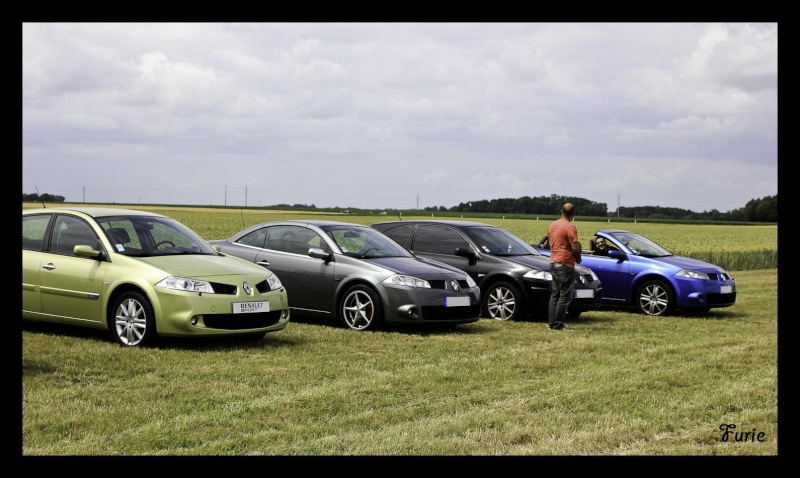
x: 639, y: 273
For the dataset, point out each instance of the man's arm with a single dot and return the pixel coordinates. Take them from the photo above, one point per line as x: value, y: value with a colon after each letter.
x: 577, y: 250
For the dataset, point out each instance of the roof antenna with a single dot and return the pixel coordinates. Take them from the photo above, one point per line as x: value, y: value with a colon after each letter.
x: 40, y: 196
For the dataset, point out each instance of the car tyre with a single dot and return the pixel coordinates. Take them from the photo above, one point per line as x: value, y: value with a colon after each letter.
x: 133, y: 321
x: 502, y: 301
x: 655, y: 298
x: 361, y: 309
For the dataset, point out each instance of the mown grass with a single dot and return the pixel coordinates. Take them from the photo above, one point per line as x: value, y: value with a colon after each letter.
x: 620, y: 384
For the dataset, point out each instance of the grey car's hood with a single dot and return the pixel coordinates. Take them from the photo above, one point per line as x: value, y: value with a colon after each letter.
x: 417, y: 267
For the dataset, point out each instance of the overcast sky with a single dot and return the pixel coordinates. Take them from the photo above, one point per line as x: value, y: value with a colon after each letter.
x: 401, y: 115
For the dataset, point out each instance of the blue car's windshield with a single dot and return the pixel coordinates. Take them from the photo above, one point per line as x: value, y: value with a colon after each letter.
x: 499, y: 242
x: 641, y: 246
x: 365, y: 242
x: 152, y: 236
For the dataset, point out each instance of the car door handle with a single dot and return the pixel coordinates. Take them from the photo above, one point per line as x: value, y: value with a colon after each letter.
x: 49, y: 266
x: 263, y: 263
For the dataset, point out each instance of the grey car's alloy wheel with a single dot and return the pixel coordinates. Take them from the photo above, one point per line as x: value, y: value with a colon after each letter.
x: 361, y: 309
x: 133, y: 323
x: 503, y: 301
x: 655, y: 298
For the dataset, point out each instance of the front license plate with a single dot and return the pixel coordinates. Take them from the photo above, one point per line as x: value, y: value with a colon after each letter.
x: 726, y: 289
x: 456, y: 301
x: 584, y: 293
x: 250, y: 307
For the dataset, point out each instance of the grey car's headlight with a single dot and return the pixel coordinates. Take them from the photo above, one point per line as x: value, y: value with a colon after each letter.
x: 690, y: 274
x: 407, y: 281
x: 471, y: 282
x: 539, y: 275
x: 274, y: 282
x: 189, y: 285
x: 594, y: 276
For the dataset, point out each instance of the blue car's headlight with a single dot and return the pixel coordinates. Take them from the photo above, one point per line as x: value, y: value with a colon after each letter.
x: 407, y: 281
x: 188, y: 285
x: 274, y: 282
x: 540, y: 275
x: 690, y: 274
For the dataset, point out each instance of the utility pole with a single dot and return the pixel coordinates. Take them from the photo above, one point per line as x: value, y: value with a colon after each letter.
x: 617, y: 205
x: 245, y: 196
x: 84, y: 194
x: 226, y: 194
x: 417, y: 201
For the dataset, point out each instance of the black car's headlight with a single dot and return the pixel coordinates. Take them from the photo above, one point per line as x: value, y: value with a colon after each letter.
x: 690, y: 274
x: 539, y: 275
x: 471, y: 282
x: 188, y: 285
x: 409, y: 281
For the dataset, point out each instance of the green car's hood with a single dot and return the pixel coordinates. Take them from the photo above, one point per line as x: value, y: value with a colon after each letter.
x: 191, y: 265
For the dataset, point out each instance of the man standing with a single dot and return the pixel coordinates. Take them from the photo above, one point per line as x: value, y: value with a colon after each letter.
x: 565, y: 251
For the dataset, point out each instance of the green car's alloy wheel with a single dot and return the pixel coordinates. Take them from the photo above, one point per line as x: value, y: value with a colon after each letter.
x: 655, y: 297
x: 134, y: 320
x: 361, y: 309
x: 503, y: 301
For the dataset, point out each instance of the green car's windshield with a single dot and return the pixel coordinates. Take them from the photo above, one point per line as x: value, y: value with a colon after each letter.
x: 152, y: 236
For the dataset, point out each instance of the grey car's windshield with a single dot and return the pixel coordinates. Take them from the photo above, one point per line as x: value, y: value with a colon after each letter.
x: 142, y: 236
x: 365, y: 242
x: 641, y: 246
x: 499, y: 242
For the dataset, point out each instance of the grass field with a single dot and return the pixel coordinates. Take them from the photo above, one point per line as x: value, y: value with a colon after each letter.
x: 621, y: 384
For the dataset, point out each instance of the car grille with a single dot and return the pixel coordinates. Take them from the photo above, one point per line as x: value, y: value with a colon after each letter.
x: 722, y: 276
x: 445, y: 284
x: 720, y: 298
x: 227, y: 289
x: 450, y: 313
x: 242, y: 321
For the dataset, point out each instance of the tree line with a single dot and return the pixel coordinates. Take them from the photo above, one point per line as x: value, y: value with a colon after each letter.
x: 756, y: 210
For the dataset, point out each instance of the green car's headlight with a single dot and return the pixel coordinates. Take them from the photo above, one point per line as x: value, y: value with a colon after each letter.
x: 188, y: 285
x: 274, y: 282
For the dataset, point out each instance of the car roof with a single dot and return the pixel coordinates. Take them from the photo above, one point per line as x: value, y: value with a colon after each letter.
x: 93, y: 211
x: 310, y: 222
x: 447, y: 222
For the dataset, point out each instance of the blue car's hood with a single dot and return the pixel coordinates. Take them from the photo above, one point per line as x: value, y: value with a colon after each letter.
x: 417, y: 267
x: 688, y: 263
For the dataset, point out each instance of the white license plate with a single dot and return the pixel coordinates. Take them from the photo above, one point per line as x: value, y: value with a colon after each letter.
x: 726, y: 289
x: 456, y: 301
x: 584, y: 293
x: 250, y: 307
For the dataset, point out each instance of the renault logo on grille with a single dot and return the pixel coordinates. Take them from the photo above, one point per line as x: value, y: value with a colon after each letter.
x: 454, y: 285
x: 247, y: 289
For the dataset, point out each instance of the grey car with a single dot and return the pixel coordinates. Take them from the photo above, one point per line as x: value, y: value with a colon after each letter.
x: 514, y: 277
x: 354, y: 274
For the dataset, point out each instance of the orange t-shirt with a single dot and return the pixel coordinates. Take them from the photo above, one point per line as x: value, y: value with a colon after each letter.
x: 561, y: 234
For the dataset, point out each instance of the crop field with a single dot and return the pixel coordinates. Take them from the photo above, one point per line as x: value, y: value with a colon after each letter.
x: 733, y: 247
x: 621, y: 384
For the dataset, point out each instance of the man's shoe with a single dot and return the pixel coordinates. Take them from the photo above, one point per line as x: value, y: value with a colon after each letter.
x: 561, y: 329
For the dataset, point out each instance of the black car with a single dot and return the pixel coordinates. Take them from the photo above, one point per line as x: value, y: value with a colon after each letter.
x: 513, y: 276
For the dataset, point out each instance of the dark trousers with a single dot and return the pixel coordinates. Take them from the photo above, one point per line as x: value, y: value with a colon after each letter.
x: 561, y: 292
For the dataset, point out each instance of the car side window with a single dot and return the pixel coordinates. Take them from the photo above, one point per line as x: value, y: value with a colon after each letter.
x: 438, y: 240
x: 401, y: 234
x: 34, y: 229
x: 293, y: 239
x: 256, y: 238
x: 69, y: 232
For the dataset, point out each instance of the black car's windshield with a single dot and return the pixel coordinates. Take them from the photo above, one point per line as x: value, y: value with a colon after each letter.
x: 142, y: 236
x: 641, y: 246
x: 365, y: 242
x: 499, y: 242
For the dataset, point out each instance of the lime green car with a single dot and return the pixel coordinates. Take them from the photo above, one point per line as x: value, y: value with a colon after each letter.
x: 140, y: 276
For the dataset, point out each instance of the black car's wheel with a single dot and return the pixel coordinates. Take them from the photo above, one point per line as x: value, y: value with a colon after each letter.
x: 361, y: 309
x: 133, y: 323
x: 655, y: 297
x: 502, y: 301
